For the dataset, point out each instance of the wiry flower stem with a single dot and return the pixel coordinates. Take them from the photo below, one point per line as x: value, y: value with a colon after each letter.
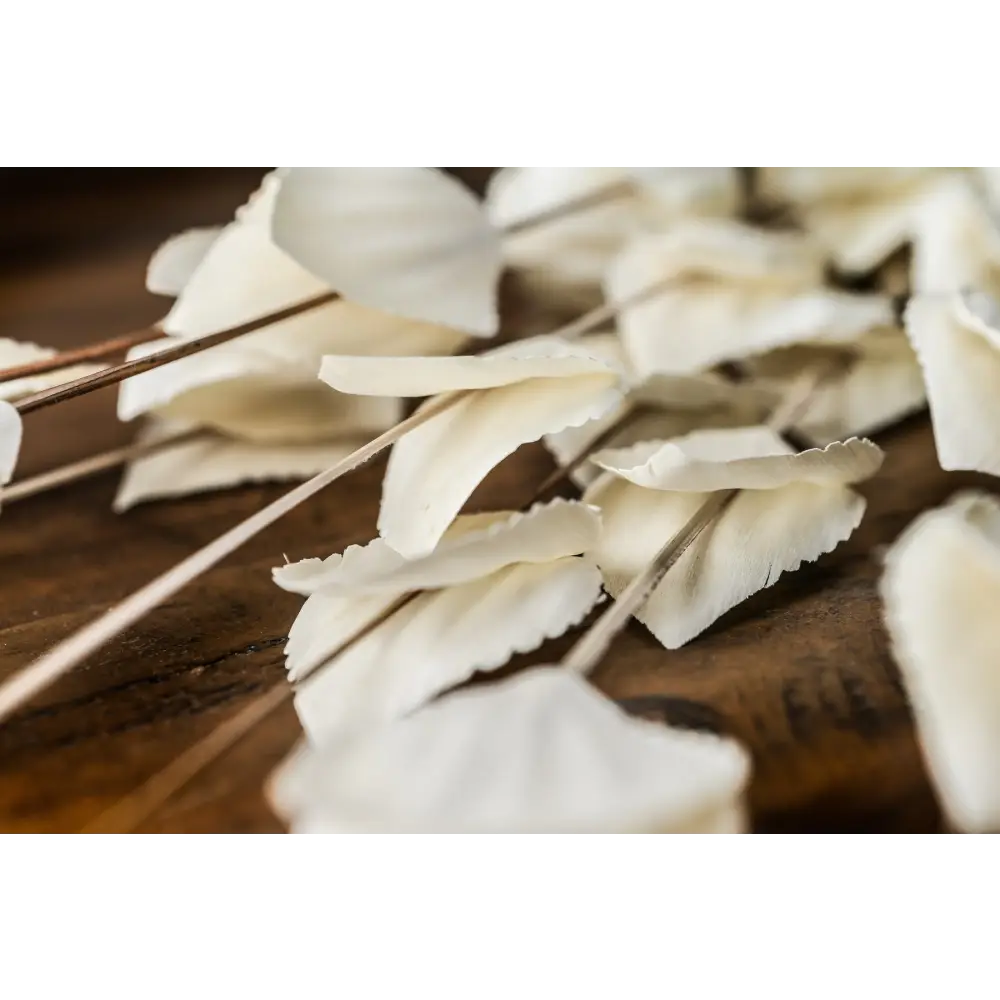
x: 100, y: 351
x: 118, y: 373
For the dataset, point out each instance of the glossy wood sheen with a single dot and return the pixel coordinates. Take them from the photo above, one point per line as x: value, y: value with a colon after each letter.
x: 801, y: 672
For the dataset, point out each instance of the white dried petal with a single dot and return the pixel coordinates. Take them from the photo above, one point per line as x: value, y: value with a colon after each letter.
x: 660, y: 408
x: 956, y: 240
x: 882, y: 384
x: 11, y: 430
x: 959, y: 351
x: 793, y: 508
x: 522, y: 392
x: 411, y: 241
x: 941, y: 589
x: 572, y: 253
x: 860, y: 211
x: 740, y: 292
x: 176, y: 260
x: 440, y: 639
x: 250, y: 395
x: 214, y: 462
x: 243, y: 276
x: 475, y: 545
x: 542, y: 752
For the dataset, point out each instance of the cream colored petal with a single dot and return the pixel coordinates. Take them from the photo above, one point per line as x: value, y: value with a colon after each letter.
x: 575, y: 251
x: 753, y: 458
x: 858, y: 238
x: 989, y: 177
x: 883, y: 384
x: 941, y: 590
x: 717, y: 250
x: 692, y: 329
x: 175, y: 261
x: 859, y: 234
x: 10, y: 440
x: 663, y: 407
x: 523, y: 391
x: 980, y: 312
x: 961, y: 365
x: 406, y: 240
x: 435, y: 468
x: 537, y: 358
x: 243, y: 276
x: 248, y: 395
x: 218, y: 462
x: 762, y: 534
x: 956, y: 240
x: 677, y: 192
x: 20, y: 352
x: 442, y: 638
x: 729, y: 822
x: 541, y: 752
x: 328, y: 621
x: 740, y: 292
x: 475, y: 545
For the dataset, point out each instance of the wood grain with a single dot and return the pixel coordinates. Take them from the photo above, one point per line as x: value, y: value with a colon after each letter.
x: 801, y: 673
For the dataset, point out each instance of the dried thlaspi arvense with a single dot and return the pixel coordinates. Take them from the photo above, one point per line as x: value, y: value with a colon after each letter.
x: 792, y: 508
x: 957, y: 339
x: 739, y: 291
x: 542, y: 752
x: 941, y: 589
x: 513, y: 395
x: 497, y: 584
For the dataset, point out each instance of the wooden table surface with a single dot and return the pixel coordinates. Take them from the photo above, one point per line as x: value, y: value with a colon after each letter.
x: 801, y: 673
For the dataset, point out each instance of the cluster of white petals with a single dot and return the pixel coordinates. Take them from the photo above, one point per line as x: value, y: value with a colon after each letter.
x: 724, y: 286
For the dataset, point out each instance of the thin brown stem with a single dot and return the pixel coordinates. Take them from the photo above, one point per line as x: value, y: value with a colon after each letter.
x: 118, y: 373
x: 101, y: 351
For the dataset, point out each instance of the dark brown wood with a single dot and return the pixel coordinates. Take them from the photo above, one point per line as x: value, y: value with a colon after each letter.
x: 802, y: 672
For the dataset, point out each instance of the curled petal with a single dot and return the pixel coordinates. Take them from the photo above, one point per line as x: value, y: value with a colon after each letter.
x: 405, y: 240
